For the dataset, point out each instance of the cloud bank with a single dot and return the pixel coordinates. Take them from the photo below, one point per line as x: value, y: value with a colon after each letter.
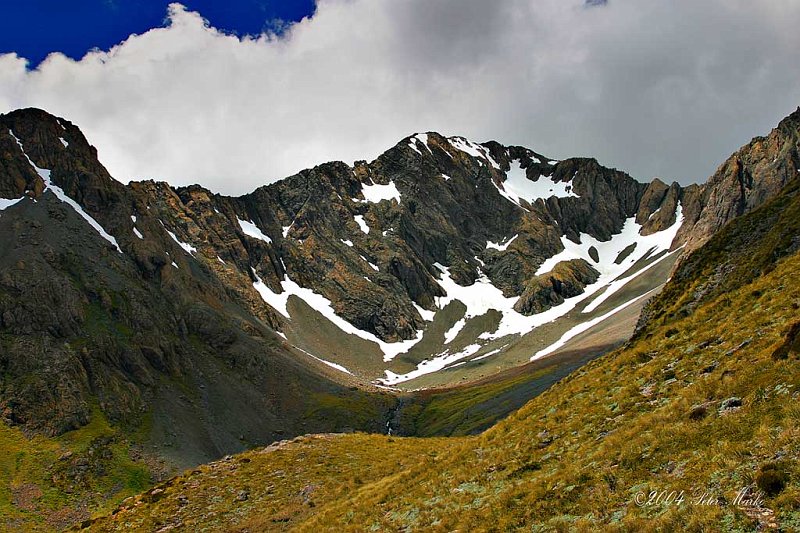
x: 652, y: 87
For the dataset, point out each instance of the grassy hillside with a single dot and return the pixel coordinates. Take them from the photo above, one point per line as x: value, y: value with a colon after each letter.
x: 48, y: 484
x: 701, y: 404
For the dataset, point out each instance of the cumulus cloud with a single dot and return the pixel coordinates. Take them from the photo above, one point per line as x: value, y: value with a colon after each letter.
x: 652, y: 87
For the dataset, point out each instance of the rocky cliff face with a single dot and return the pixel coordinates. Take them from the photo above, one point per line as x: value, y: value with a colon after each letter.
x: 270, y: 306
x: 751, y: 176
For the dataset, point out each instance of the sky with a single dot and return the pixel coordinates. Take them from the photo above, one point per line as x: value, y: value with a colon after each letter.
x: 236, y: 95
x: 35, y: 28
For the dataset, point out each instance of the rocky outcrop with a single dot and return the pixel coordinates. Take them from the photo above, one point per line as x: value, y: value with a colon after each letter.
x: 659, y: 206
x: 567, y: 279
x: 754, y: 174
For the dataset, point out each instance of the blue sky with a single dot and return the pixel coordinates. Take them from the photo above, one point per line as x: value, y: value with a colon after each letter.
x: 34, y: 28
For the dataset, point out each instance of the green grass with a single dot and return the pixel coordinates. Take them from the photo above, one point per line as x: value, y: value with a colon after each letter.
x: 42, y: 486
x: 98, y: 321
x: 575, y: 457
x: 343, y: 411
x: 275, y: 488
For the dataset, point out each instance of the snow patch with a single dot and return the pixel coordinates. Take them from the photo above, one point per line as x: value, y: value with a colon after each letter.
x: 489, y: 354
x: 452, y: 333
x: 347, y: 242
x: 325, y: 307
x: 421, y: 137
x: 137, y: 233
x: 426, y: 315
x: 188, y: 248
x: 61, y: 195
x: 65, y: 143
x: 371, y: 265
x: 376, y: 193
x: 323, y: 361
x: 608, y: 251
x: 473, y: 149
x: 362, y: 223
x: 6, y: 203
x: 251, y: 230
x: 501, y: 247
x: 431, y: 365
x: 482, y: 296
x: 580, y: 328
x: 518, y: 187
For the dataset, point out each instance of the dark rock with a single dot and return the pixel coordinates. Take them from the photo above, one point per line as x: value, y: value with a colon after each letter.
x: 710, y: 368
x: 730, y: 403
x: 772, y: 478
x: 755, y: 173
x: 567, y: 279
x: 739, y: 346
x: 790, y: 347
x: 698, y: 412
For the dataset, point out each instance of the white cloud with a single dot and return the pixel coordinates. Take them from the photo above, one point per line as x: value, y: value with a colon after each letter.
x: 656, y: 88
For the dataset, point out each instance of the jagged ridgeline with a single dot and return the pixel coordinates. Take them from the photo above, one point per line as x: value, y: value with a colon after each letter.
x: 700, y: 407
x: 196, y: 324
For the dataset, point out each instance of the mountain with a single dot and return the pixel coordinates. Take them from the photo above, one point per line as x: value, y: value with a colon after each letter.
x: 751, y: 176
x: 146, y: 328
x: 689, y: 426
x: 95, y: 317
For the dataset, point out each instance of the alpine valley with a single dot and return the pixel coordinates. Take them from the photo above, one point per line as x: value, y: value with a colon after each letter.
x: 454, y: 336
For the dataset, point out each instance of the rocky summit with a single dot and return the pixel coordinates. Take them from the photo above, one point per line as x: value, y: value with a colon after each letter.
x: 209, y: 324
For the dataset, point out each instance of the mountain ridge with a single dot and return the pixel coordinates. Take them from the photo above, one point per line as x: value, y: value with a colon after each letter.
x: 200, y: 325
x: 315, y: 227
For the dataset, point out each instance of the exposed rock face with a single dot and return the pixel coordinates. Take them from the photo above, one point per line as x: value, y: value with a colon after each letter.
x: 449, y: 207
x: 180, y: 300
x: 751, y: 176
x: 659, y: 206
x: 567, y: 279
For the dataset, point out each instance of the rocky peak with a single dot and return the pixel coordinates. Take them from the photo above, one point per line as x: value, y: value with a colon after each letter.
x: 752, y: 175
